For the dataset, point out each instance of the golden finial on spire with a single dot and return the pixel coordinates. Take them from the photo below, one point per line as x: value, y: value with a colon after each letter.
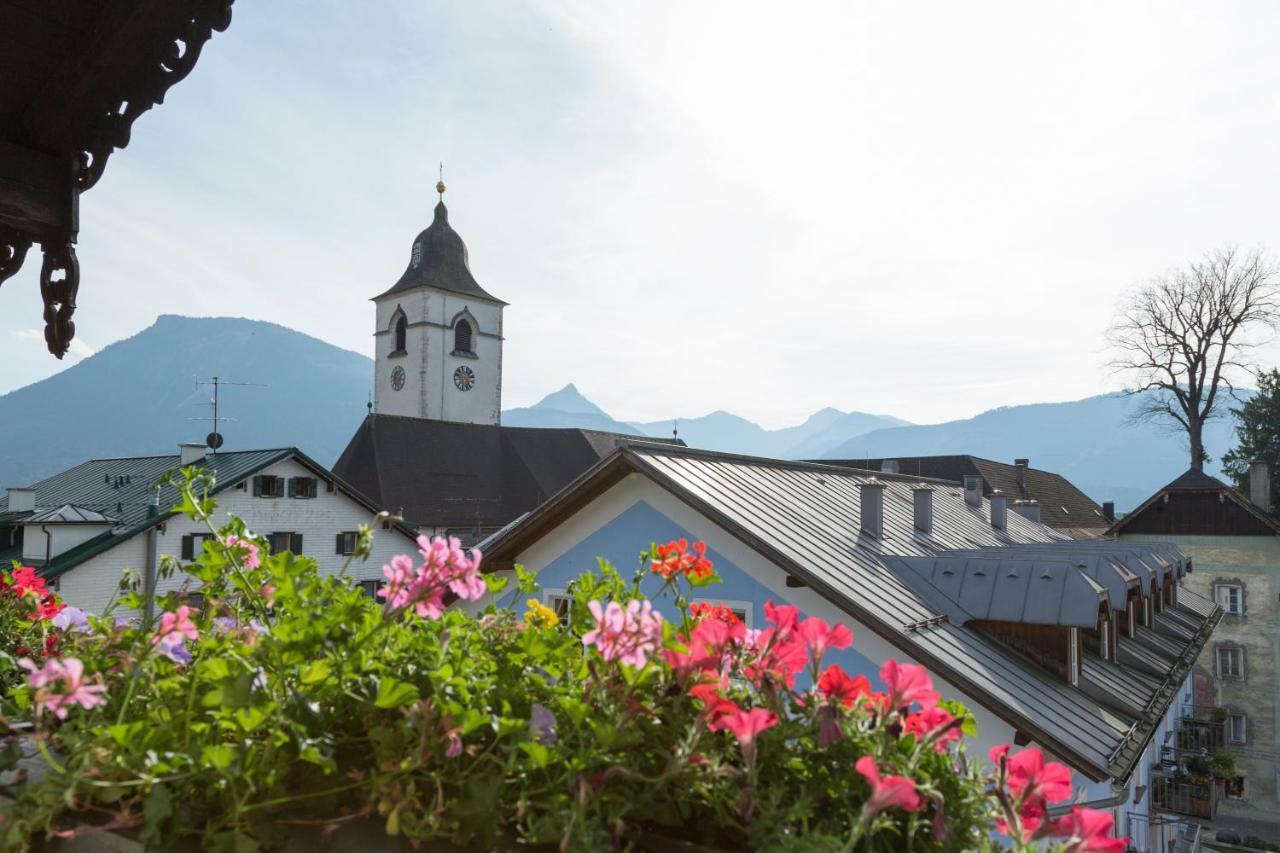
x: 440, y: 183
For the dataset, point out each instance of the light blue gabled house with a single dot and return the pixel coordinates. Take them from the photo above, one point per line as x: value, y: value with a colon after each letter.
x: 1082, y: 649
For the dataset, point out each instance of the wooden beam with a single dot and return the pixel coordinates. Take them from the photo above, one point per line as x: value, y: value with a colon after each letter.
x: 38, y: 196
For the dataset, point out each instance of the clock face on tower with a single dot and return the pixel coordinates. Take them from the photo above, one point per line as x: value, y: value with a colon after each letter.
x: 397, y: 378
x: 464, y: 377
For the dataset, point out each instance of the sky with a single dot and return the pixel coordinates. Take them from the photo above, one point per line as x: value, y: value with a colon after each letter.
x: 926, y: 210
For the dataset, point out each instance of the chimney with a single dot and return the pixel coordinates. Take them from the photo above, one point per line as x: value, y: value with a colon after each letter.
x: 189, y: 454
x: 1021, y: 467
x: 22, y: 499
x: 1029, y: 510
x: 872, y: 500
x: 889, y: 466
x: 973, y: 490
x: 999, y: 510
x: 1260, y: 486
x: 1109, y: 511
x: 923, y: 500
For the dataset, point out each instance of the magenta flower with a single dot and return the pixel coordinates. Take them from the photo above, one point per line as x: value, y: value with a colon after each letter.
x: 1088, y: 831
x: 887, y: 793
x: 178, y: 623
x: 819, y: 636
x: 629, y: 634
x: 251, y: 557
x: 783, y: 616
x: 68, y: 674
x: 908, y: 683
x: 745, y: 725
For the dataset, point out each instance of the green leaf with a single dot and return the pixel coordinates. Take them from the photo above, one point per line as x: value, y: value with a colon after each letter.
x: 393, y: 693
x: 538, y: 754
x: 219, y: 756
x: 316, y: 671
x: 156, y: 811
x: 250, y: 718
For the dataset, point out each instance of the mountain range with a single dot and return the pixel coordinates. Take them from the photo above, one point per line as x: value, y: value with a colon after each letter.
x: 140, y: 396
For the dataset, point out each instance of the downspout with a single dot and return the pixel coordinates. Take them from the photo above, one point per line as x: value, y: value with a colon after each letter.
x: 48, y: 544
x: 153, y: 556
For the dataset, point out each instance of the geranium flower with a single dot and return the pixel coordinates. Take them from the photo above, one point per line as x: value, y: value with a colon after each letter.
x: 707, y: 649
x: 908, y: 683
x: 251, y: 556
x: 48, y: 608
x: 745, y: 725
x: 446, y: 567
x: 715, y: 704
x: 675, y: 558
x: 819, y: 636
x: 176, y: 622
x: 629, y: 634
x: 888, y: 793
x: 1088, y: 831
x: 779, y: 657
x: 25, y: 580
x: 701, y: 610
x: 68, y: 674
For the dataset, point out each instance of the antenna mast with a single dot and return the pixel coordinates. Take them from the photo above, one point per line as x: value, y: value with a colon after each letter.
x: 214, y: 439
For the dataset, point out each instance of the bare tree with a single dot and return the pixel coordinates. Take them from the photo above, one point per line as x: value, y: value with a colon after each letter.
x: 1182, y: 338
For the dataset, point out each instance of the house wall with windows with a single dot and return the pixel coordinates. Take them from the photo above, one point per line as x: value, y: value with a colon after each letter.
x: 314, y: 527
x: 619, y: 526
x: 1239, y: 665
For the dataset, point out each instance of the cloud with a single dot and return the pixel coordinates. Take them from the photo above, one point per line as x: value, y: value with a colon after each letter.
x: 79, y: 349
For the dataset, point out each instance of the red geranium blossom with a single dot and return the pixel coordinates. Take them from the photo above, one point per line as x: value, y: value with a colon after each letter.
x: 836, y: 685
x: 675, y: 558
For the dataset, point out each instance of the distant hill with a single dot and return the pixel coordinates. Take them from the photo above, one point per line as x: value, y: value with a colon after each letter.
x: 138, y: 396
x: 1088, y: 441
x: 823, y: 430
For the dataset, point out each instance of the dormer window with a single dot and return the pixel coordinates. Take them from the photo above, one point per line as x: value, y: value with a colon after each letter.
x: 462, y: 337
x: 417, y: 256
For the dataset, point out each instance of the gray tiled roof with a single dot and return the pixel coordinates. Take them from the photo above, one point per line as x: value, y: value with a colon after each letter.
x: 803, y: 518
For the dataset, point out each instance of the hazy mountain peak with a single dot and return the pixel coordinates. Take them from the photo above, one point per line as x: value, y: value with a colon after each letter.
x: 569, y: 399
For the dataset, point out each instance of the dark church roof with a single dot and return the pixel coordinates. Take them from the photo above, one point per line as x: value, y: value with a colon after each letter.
x: 466, y: 476
x: 1062, y: 505
x: 439, y: 259
x: 1198, y: 504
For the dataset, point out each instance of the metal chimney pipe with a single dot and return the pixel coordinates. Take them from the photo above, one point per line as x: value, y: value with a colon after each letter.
x: 22, y: 499
x: 1260, y: 486
x: 922, y: 499
x: 1109, y: 511
x: 999, y: 510
x: 1021, y: 466
x: 973, y: 490
x: 1029, y: 510
x: 872, y: 509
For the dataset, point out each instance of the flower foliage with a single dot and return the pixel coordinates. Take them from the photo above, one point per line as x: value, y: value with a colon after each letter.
x: 291, y: 698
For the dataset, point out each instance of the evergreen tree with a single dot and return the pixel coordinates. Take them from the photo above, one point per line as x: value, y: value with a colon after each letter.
x: 1258, y: 435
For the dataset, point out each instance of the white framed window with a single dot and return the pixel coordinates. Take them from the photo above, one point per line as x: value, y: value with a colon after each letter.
x: 1230, y: 596
x: 742, y: 609
x: 558, y: 600
x: 347, y: 541
x: 282, y: 541
x: 1237, y: 728
x: 1230, y: 660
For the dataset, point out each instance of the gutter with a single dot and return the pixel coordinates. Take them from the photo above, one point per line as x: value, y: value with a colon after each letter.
x: 152, y: 558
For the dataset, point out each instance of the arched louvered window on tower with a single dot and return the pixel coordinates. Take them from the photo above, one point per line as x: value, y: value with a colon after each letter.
x: 402, y: 331
x: 462, y: 336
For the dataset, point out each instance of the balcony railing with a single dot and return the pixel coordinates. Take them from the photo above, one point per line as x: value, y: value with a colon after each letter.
x: 1185, y: 795
x: 1196, y: 735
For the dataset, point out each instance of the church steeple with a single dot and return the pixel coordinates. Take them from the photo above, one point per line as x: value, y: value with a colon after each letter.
x: 439, y: 334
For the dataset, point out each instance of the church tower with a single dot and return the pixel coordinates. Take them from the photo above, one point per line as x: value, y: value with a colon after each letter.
x: 438, y: 350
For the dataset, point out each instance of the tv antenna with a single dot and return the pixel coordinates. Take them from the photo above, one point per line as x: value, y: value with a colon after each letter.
x: 214, y: 439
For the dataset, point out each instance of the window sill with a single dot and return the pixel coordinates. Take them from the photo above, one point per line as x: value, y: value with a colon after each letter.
x: 459, y: 353
x: 397, y: 353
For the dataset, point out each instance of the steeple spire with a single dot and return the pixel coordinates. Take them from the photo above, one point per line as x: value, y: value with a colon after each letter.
x: 440, y: 184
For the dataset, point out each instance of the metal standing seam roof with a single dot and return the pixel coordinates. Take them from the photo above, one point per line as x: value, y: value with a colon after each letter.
x: 1103, y: 568
x: 121, y: 488
x: 803, y: 517
x: 69, y: 514
x: 1035, y: 591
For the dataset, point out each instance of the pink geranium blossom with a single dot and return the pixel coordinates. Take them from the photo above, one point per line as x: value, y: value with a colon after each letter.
x: 176, y: 623
x: 251, y: 557
x: 68, y: 674
x: 908, y: 683
x: 628, y: 634
x: 446, y: 567
x: 888, y: 792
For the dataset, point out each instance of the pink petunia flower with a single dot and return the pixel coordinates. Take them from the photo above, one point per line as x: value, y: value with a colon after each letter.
x: 887, y: 793
x: 746, y: 725
x: 783, y: 616
x: 908, y: 683
x: 1029, y: 775
x: 1088, y: 831
x: 819, y: 636
x: 933, y: 723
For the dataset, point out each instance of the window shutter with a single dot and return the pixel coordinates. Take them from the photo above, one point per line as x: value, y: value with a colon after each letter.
x: 188, y: 547
x: 341, y: 543
x: 315, y: 487
x: 293, y: 487
x: 279, y: 486
x: 257, y: 487
x: 297, y: 543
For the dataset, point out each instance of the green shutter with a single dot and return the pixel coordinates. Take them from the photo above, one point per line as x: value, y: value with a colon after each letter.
x: 315, y: 487
x: 188, y: 547
x: 297, y: 543
x: 257, y: 487
x: 341, y: 537
x: 279, y: 486
x: 293, y: 487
